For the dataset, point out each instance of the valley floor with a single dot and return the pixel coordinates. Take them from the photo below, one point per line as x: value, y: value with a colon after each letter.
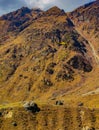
x: 50, y: 117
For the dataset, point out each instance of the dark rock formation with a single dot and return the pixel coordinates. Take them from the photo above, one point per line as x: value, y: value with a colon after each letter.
x: 80, y: 63
x: 31, y: 106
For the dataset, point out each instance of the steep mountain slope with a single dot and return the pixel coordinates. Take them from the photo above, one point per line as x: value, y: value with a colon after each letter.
x: 43, y: 56
x: 46, y: 58
x: 50, y: 57
x: 86, y: 19
x: 86, y: 22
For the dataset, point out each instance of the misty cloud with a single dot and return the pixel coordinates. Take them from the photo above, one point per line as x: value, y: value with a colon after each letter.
x: 40, y: 3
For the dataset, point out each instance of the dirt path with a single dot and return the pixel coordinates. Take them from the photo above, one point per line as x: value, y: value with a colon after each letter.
x: 94, y: 53
x: 92, y: 47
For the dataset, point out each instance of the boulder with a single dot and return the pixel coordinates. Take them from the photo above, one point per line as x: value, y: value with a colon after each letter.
x: 14, y: 123
x: 80, y: 63
x: 59, y: 102
x: 88, y: 128
x: 31, y: 106
x: 80, y: 104
x: 0, y: 114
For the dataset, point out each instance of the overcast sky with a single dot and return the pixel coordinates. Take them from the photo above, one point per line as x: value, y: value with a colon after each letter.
x: 68, y: 5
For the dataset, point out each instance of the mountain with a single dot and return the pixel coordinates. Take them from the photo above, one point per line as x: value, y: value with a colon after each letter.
x: 51, y: 55
x: 86, y: 18
x: 35, y: 50
x: 46, y: 54
x: 14, y: 22
x: 20, y: 17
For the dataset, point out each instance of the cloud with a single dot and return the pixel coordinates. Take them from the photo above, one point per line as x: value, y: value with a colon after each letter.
x: 68, y: 5
x: 40, y: 3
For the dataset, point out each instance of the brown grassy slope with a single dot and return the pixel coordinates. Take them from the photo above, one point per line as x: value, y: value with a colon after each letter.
x: 50, y: 118
x: 48, y: 60
x: 86, y: 19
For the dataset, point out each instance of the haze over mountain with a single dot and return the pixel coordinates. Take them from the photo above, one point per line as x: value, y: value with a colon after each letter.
x: 49, y: 56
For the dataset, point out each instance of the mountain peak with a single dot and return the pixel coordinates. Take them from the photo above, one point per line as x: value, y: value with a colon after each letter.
x: 55, y: 11
x: 55, y: 8
x: 25, y: 9
x: 37, y: 9
x: 17, y: 14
